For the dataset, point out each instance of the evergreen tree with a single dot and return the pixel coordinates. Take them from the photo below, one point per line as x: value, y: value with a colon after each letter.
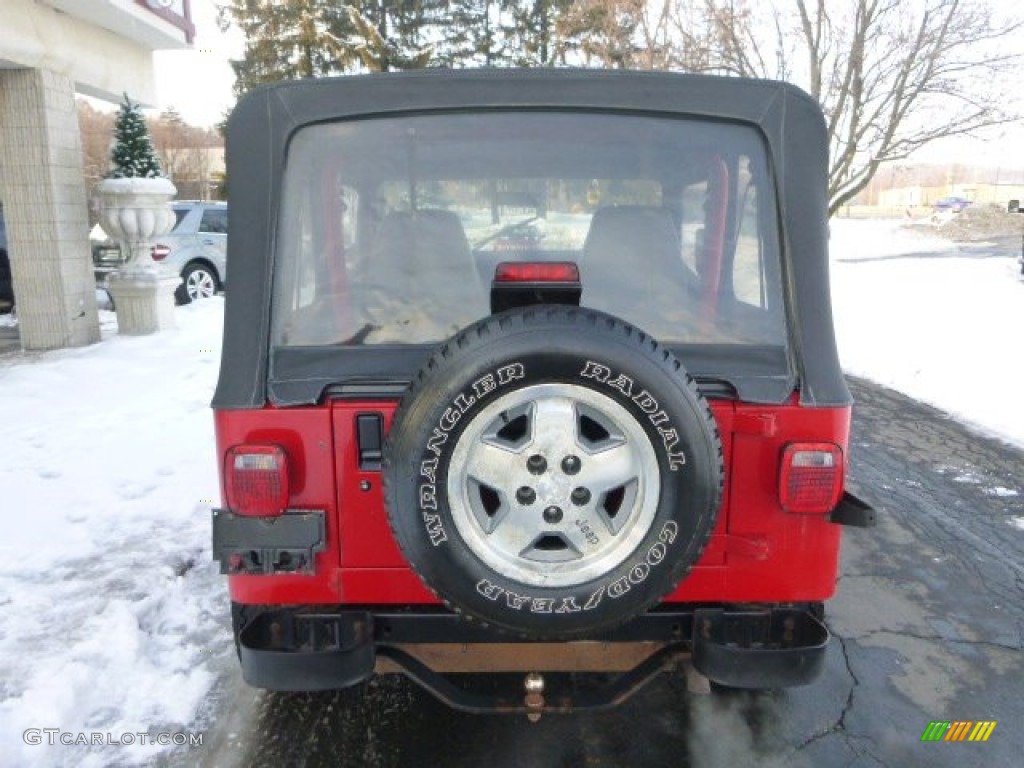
x: 475, y: 34
x: 389, y: 34
x: 533, y: 34
x: 288, y: 40
x: 291, y: 39
x: 133, y: 154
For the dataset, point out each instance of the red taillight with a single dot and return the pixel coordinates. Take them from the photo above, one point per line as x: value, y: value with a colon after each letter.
x: 536, y: 272
x: 811, y: 478
x: 160, y: 252
x: 256, y: 480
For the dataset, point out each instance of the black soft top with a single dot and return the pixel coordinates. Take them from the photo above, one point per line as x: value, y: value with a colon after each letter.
x: 263, y: 122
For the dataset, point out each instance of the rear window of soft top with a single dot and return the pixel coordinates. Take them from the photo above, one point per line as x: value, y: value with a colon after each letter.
x: 391, y: 227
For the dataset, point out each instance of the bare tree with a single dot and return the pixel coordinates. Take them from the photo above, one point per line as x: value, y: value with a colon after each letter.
x: 190, y: 155
x: 649, y: 34
x: 891, y: 75
x: 97, y: 131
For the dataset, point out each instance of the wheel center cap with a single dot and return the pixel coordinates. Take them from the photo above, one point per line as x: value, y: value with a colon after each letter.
x: 554, y: 488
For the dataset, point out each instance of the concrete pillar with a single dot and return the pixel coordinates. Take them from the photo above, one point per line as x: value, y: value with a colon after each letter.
x: 44, y: 200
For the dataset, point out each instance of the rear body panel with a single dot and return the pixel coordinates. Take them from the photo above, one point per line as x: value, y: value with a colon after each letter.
x: 757, y: 553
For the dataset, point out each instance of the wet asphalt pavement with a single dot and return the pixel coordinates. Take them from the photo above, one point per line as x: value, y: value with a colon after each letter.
x: 928, y: 624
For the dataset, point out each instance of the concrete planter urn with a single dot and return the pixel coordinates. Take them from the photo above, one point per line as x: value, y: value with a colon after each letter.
x: 135, y: 211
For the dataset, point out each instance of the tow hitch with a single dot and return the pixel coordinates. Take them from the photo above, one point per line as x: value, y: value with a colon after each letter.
x: 534, y: 700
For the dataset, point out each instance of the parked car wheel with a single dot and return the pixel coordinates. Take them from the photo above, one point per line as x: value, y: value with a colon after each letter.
x: 6, y: 280
x: 6, y: 283
x: 552, y: 472
x: 198, y: 281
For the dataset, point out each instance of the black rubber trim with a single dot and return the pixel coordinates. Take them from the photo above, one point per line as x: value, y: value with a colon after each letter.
x: 710, y: 388
x: 853, y: 512
x: 265, y: 545
x: 777, y: 648
x: 754, y: 373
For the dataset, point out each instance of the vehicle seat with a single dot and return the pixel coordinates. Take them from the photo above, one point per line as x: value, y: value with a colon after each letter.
x: 419, y: 282
x: 632, y: 266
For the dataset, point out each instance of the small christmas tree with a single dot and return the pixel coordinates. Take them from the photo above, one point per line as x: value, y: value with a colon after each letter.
x: 133, y: 155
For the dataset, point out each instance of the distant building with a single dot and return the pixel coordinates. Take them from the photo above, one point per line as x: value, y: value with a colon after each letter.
x: 49, y: 49
x: 196, y: 172
x: 922, y: 186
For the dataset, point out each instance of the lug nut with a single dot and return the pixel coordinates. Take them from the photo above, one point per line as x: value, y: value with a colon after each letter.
x: 526, y: 495
x: 552, y: 515
x: 571, y: 465
x: 537, y: 464
x: 580, y: 496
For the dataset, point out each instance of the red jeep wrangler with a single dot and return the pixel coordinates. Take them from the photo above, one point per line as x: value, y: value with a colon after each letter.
x: 530, y: 372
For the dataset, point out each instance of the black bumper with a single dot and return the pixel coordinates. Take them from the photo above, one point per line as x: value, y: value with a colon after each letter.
x: 299, y: 649
x: 771, y: 649
x: 284, y: 651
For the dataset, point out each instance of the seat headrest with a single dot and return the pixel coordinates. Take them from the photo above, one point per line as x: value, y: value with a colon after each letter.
x: 626, y: 229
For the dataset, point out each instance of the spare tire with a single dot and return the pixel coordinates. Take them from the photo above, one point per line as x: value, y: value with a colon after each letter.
x: 552, y: 471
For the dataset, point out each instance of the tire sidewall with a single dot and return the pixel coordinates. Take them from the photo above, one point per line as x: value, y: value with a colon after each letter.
x: 647, y: 382
x: 181, y: 292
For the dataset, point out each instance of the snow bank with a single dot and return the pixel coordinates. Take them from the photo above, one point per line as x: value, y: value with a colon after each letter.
x: 111, y: 611
x: 940, y: 322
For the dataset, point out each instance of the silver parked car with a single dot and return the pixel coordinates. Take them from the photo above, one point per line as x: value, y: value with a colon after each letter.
x: 196, y: 248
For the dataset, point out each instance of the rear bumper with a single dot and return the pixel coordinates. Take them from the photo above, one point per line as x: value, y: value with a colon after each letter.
x: 300, y: 649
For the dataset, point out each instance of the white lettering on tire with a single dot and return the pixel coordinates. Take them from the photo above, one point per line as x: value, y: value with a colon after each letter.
x: 645, y: 401
x: 450, y: 417
x: 636, y: 575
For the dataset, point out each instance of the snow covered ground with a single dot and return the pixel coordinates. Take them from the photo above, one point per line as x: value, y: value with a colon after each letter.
x: 939, y: 321
x: 113, y: 618
x: 112, y: 615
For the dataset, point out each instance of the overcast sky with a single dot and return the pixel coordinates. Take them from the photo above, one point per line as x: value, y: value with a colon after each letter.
x: 198, y: 82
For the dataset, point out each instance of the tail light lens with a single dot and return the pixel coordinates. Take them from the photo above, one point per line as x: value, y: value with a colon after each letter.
x: 256, y: 480
x: 160, y: 252
x: 812, y: 477
x: 537, y: 272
